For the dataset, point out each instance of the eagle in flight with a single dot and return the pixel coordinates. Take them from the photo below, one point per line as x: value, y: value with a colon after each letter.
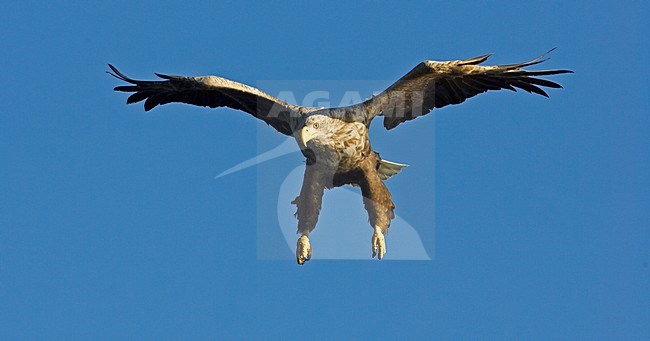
x: 335, y: 141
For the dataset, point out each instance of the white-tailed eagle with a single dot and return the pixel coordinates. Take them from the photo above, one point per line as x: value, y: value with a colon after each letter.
x: 335, y: 141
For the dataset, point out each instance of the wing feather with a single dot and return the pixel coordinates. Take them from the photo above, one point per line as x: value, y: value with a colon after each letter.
x: 213, y: 92
x: 446, y: 83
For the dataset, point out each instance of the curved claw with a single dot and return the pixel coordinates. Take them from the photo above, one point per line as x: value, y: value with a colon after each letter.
x: 303, y: 250
x: 378, y: 244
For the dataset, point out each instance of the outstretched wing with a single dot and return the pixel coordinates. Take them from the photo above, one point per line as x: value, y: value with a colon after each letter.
x: 434, y: 84
x: 213, y: 91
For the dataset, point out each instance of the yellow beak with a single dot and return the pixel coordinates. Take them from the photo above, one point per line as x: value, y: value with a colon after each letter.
x: 306, y: 134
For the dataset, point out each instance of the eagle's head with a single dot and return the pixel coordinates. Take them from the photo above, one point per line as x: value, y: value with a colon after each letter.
x: 319, y: 129
x: 329, y: 140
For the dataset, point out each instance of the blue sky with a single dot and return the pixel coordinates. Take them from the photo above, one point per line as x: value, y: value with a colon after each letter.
x: 112, y: 224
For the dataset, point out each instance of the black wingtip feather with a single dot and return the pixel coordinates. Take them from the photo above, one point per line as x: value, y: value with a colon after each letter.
x: 529, y: 87
x: 546, y: 72
x: 534, y: 61
x: 137, y: 97
x: 126, y: 88
x: 150, y: 103
x: 476, y: 60
x: 169, y: 77
x: 117, y: 74
x: 543, y: 82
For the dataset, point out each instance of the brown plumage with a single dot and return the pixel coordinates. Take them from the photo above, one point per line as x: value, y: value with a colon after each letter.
x: 335, y: 140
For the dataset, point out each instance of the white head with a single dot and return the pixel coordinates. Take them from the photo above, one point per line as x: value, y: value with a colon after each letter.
x: 317, y: 127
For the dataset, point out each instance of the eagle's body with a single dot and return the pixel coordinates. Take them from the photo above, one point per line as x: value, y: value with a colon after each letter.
x: 336, y: 144
x: 335, y: 141
x: 339, y: 153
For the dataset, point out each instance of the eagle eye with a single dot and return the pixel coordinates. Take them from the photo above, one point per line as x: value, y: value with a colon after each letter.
x: 316, y: 125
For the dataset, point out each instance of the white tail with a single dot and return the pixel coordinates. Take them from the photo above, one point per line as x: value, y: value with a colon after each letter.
x: 388, y: 169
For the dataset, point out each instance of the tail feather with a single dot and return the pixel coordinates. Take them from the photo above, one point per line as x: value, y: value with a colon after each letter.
x: 387, y: 169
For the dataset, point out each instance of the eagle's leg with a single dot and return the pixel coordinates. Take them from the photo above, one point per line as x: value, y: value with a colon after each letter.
x: 303, y: 249
x: 378, y: 203
x: 308, y: 203
x: 378, y: 243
